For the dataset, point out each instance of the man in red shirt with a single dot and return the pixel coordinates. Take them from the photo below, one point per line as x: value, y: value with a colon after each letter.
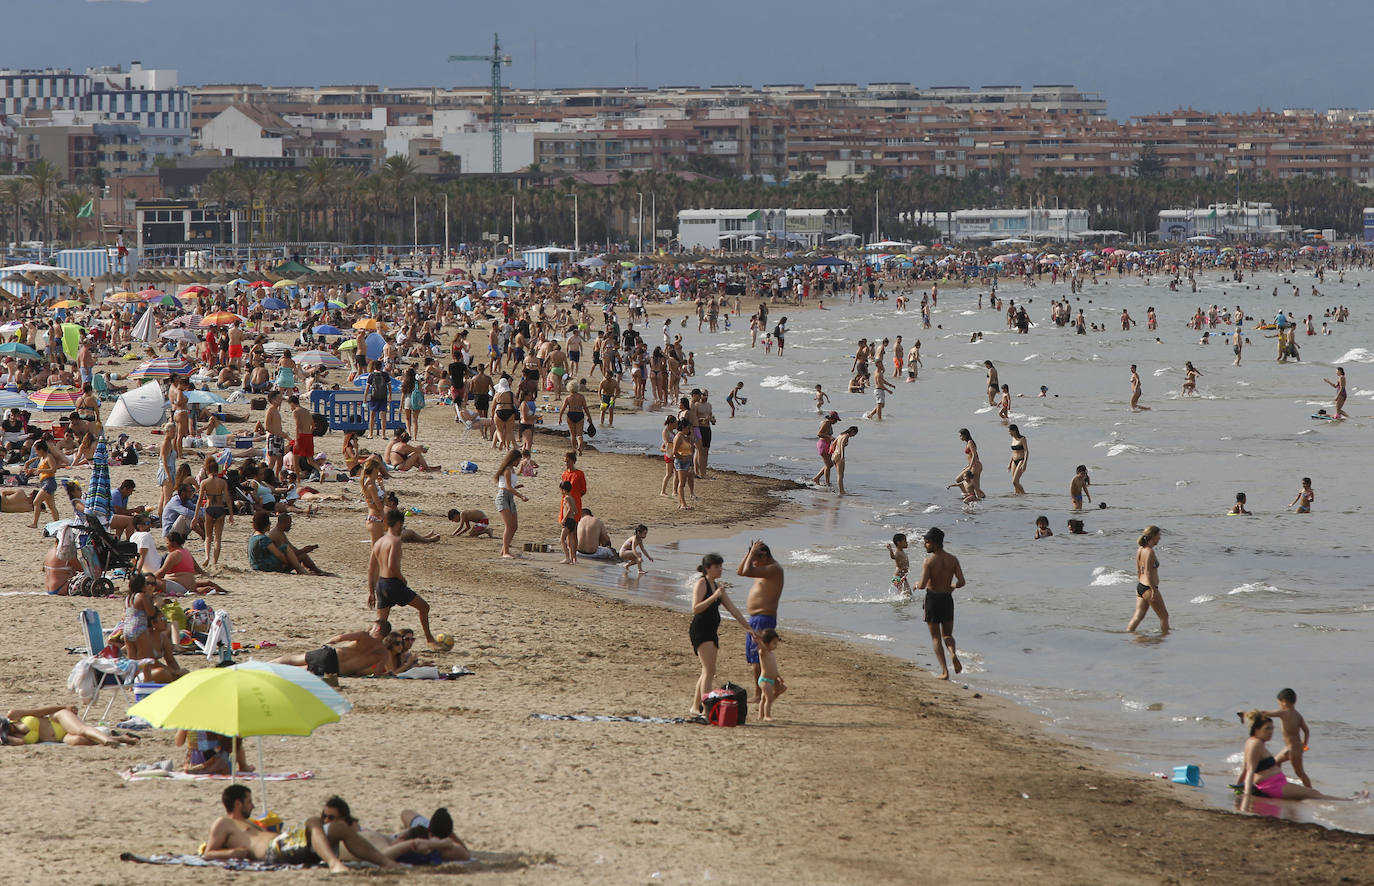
x: 577, y: 479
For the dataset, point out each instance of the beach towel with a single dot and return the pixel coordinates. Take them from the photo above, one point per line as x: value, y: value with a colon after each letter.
x: 228, y: 864
x: 154, y: 772
x: 607, y: 718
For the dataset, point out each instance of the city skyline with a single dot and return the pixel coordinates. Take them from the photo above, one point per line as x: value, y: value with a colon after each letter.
x: 1221, y: 56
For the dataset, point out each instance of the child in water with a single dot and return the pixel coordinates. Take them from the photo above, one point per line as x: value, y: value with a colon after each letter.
x: 770, y: 681
x: 1305, y: 497
x: 1078, y: 487
x: 733, y: 398
x: 897, y: 551
x: 1239, y: 507
x: 1042, y: 527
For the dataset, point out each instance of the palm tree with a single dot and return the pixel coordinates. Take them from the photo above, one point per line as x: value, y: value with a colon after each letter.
x: 397, y: 173
x: 248, y: 183
x: 320, y: 175
x: 69, y: 205
x: 15, y: 193
x: 44, y: 179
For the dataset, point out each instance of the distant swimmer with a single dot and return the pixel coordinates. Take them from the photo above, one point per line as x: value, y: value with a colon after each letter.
x: 1238, y: 508
x: 1147, y: 581
x: 1304, y: 498
x: 1190, y: 374
x: 1042, y: 527
x: 1339, y: 385
x: 941, y: 576
x: 1135, y: 390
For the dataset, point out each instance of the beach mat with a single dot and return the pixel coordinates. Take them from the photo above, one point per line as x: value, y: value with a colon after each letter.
x: 608, y: 718
x: 480, y: 861
x: 163, y: 775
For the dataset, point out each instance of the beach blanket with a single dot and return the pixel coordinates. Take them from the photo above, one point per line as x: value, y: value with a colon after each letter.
x: 156, y: 773
x: 247, y: 864
x: 607, y: 718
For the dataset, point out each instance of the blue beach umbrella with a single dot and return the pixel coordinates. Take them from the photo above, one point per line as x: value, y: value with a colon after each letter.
x: 326, y: 329
x: 19, y: 349
x: 274, y: 304
x: 599, y: 285
x: 98, y: 494
x: 511, y: 284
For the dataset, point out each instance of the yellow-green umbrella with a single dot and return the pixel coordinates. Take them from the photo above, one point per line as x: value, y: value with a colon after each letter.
x: 235, y: 702
x: 570, y: 281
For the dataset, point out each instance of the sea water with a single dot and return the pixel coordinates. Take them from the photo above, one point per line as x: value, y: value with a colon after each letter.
x: 1256, y: 603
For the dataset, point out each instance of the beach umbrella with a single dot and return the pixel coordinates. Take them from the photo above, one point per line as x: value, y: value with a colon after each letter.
x: 11, y: 326
x: 19, y: 349
x: 197, y: 289
x: 239, y: 702
x: 592, y: 262
x: 664, y: 288
x: 149, y: 292
x: 183, y: 335
x: 66, y: 304
x: 165, y: 301
x: 367, y: 323
x: 284, y: 284
x: 273, y: 304
x: 350, y: 345
x: 319, y: 358
x: 305, y: 680
x: 205, y: 398
x: 98, y: 493
x: 260, y: 284
x: 326, y: 329
x: 145, y: 329
x: 124, y: 297
x: 361, y: 381
x: 220, y: 318
x: 493, y: 293
x: 14, y: 400
x: 238, y: 281
x: 511, y: 284
x: 599, y: 286
x: 163, y: 367
x: 55, y: 398
x: 570, y: 281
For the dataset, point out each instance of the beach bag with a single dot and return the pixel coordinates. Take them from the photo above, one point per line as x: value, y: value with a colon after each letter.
x: 378, y: 387
x: 591, y: 428
x: 737, y: 694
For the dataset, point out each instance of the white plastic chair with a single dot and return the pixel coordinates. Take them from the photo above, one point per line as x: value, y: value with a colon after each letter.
x: 123, y: 678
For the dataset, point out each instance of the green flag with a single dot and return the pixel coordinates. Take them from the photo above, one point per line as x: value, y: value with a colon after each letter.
x: 1212, y: 214
x: 88, y: 210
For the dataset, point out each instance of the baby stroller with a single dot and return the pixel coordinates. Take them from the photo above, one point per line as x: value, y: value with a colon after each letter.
x: 99, y: 553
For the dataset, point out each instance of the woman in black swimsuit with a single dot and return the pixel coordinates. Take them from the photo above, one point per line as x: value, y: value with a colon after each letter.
x: 707, y: 597
x: 504, y: 409
x: 1020, y: 458
x: 214, y: 491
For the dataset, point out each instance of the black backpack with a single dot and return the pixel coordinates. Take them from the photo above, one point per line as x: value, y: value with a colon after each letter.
x: 378, y: 386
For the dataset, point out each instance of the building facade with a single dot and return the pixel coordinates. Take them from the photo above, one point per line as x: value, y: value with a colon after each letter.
x: 750, y: 229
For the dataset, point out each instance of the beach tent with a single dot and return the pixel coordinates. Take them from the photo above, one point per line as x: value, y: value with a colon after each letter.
x: 143, y: 407
x: 292, y: 269
x: 145, y: 330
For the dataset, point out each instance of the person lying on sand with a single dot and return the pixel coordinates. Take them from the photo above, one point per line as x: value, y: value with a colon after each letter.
x: 21, y: 726
x: 354, y: 654
x: 421, y: 841
x: 316, y: 841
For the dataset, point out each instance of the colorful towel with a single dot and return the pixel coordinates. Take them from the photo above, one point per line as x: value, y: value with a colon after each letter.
x: 156, y: 774
x: 247, y: 864
x: 607, y: 718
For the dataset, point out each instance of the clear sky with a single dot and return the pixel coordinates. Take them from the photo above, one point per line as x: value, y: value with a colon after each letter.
x: 1140, y: 56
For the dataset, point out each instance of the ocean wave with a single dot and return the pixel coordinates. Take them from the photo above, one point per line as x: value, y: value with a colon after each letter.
x: 930, y: 509
x: 1131, y: 704
x: 1258, y: 587
x: 888, y: 598
x: 1105, y: 576
x: 1355, y: 355
x: 809, y: 557
x: 712, y: 373
x: 1031, y: 357
x: 1118, y: 448
x: 785, y: 383
x: 1202, y: 598
x: 882, y: 638
x: 740, y: 365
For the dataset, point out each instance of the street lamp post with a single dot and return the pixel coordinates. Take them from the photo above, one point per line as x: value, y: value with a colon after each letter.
x: 640, y: 221
x: 577, y: 235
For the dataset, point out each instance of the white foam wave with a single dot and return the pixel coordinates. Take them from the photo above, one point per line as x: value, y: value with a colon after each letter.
x: 931, y: 509
x: 810, y: 557
x: 1104, y: 576
x: 1202, y: 598
x: 1257, y: 587
x: 1355, y: 355
x: 1119, y: 448
x: 785, y: 383
x: 882, y: 638
x: 712, y: 373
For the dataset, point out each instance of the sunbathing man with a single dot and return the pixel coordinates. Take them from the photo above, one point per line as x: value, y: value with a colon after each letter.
x: 422, y: 840
x: 364, y: 654
x: 387, y: 585
x: 236, y: 835
x: 21, y: 726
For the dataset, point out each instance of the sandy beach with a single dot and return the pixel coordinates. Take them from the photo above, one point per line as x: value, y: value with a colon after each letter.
x: 873, y: 772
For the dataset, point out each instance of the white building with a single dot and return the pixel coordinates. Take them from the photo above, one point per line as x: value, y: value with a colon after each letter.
x: 1002, y: 224
x: 246, y: 131
x: 1221, y: 220
x: 756, y: 228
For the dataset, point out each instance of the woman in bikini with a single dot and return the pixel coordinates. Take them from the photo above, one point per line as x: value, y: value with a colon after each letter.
x: 684, y: 448
x: 505, y: 412
x: 708, y: 595
x: 971, y: 478
x: 181, y: 412
x: 825, y: 437
x: 350, y: 452
x: 1020, y: 458
x: 993, y: 387
x: 412, y: 401
x: 21, y: 726
x: 507, y: 491
x: 373, y: 496
x: 1261, y: 775
x: 1147, y: 581
x: 139, y: 616
x: 574, y: 411
x: 46, y: 469
x: 214, y: 495
x: 403, y: 456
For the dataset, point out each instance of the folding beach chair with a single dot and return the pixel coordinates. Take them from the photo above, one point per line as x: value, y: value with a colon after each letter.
x: 218, y: 646
x: 123, y: 673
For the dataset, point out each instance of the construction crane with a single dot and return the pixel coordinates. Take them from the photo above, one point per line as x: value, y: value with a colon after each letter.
x: 496, y: 59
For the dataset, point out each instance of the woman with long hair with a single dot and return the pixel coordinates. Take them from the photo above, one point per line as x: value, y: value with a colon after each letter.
x: 507, y: 491
x: 1020, y: 458
x: 214, y: 497
x: 1261, y: 775
x: 373, y: 496
x: 412, y: 401
x: 708, y: 595
x: 46, y: 469
x: 1147, y: 581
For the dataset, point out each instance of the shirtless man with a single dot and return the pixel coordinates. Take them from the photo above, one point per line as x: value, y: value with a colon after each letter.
x: 236, y: 835
x: 304, y: 449
x: 386, y: 585
x: 235, y: 347
x: 762, y: 604
x: 298, y: 558
x: 592, y: 538
x: 609, y: 390
x: 274, y: 447
x: 364, y: 654
x: 941, y: 575
x: 703, y: 418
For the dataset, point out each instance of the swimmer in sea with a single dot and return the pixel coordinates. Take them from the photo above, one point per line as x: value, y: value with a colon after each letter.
x: 837, y: 454
x: 1078, y: 487
x: 1238, y: 508
x: 1042, y: 527
x: 993, y: 387
x: 1135, y: 391
x: 1339, y: 385
x: 897, y: 551
x: 1305, y: 497
x: 1190, y: 374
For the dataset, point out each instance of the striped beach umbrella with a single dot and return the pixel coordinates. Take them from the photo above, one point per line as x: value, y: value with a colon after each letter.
x: 55, y: 398
x: 163, y: 367
x: 319, y: 358
x: 98, y: 494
